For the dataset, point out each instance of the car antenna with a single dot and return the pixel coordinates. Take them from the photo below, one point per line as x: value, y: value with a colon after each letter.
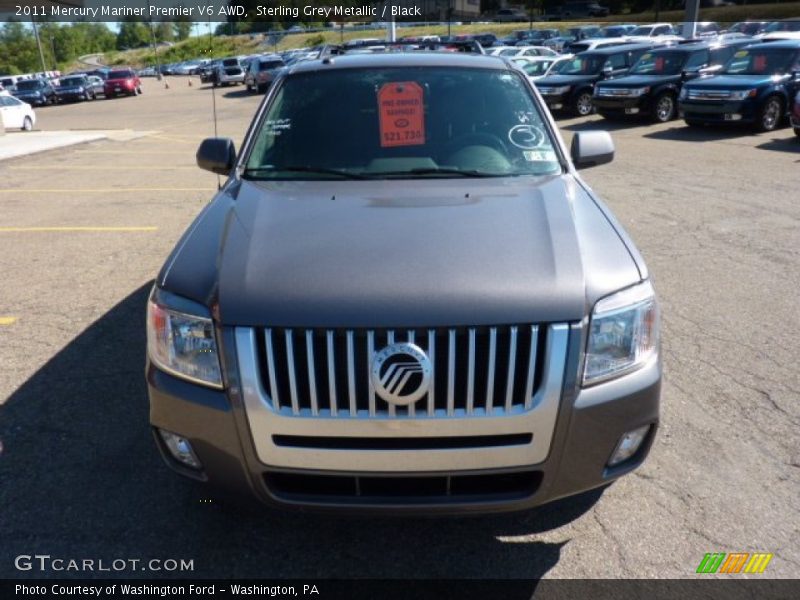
x: 213, y: 91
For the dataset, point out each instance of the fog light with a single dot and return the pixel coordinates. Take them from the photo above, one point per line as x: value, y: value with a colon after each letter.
x: 180, y: 448
x: 628, y: 445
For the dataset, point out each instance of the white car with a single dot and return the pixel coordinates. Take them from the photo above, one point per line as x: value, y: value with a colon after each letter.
x: 16, y: 114
x: 594, y: 44
x: 517, y: 51
x: 536, y: 67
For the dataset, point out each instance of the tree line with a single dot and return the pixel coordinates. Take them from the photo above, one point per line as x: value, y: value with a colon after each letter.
x: 62, y: 43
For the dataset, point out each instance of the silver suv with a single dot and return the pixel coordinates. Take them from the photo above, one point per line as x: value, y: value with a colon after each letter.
x: 404, y: 298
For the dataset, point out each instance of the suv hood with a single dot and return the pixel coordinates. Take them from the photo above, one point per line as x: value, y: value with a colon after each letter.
x: 635, y: 81
x: 559, y: 80
x: 730, y: 82
x: 418, y: 253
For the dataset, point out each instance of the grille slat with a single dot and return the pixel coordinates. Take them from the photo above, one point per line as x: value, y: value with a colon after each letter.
x: 351, y: 375
x: 273, y: 382
x: 292, y: 372
x: 490, y: 370
x: 482, y: 371
x: 432, y: 356
x: 531, y: 367
x: 312, y: 377
x: 471, y: 373
x: 370, y: 352
x: 512, y: 363
x: 331, y: 373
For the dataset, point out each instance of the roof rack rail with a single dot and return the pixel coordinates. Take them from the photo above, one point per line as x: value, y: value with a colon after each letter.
x: 472, y: 46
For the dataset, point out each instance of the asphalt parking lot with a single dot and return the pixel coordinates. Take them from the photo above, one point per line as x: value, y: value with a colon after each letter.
x: 85, y: 229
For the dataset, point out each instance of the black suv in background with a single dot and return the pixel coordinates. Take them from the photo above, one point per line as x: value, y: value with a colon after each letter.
x: 756, y: 86
x: 652, y: 86
x: 572, y: 87
x: 36, y: 92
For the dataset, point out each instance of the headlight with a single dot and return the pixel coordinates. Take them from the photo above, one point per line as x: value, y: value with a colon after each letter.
x: 683, y: 94
x: 623, y: 334
x: 557, y: 91
x: 741, y: 95
x: 183, y: 344
x: 639, y: 91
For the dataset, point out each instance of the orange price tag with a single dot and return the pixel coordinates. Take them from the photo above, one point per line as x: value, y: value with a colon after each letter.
x: 401, y: 114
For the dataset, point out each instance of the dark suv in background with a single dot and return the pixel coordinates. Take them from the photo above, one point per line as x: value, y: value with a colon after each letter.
x: 572, y: 86
x: 652, y: 86
x: 36, y: 92
x: 756, y: 86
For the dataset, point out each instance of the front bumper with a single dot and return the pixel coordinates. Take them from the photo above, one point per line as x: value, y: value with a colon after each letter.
x: 71, y: 96
x: 622, y: 104
x: 719, y: 111
x: 588, y: 426
x: 556, y: 101
x: 33, y: 100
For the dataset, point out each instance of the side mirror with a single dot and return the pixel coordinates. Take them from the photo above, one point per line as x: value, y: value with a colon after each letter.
x: 217, y: 155
x: 592, y: 148
x: 607, y: 71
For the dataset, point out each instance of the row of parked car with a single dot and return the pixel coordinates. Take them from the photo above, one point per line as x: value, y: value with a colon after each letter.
x: 19, y: 96
x: 76, y: 86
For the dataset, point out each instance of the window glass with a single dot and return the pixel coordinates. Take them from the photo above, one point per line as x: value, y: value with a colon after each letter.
x: 402, y: 123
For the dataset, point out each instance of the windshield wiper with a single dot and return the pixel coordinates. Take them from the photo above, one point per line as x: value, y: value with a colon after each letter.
x: 438, y: 171
x: 304, y: 169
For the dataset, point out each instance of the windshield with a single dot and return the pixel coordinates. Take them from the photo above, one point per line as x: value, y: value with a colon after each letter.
x: 581, y: 65
x: 404, y: 123
x: 659, y: 63
x: 230, y: 62
x: 509, y: 52
x: 274, y: 64
x: 72, y: 81
x: 760, y: 61
x: 29, y: 85
x: 120, y: 75
x: 641, y: 31
x: 533, y: 69
x: 783, y: 26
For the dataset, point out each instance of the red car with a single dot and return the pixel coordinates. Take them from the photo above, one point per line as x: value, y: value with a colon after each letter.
x: 795, y: 116
x: 122, y: 81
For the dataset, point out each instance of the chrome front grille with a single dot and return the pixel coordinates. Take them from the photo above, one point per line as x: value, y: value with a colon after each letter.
x: 477, y: 371
x: 612, y: 92
x: 708, y: 94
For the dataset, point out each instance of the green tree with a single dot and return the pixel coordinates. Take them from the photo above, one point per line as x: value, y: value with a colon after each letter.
x: 182, y: 28
x: 132, y: 34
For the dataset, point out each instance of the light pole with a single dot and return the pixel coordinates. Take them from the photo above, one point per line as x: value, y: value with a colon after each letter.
x: 38, y: 43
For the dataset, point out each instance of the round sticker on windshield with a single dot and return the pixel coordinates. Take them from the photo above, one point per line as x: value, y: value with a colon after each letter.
x: 526, y: 136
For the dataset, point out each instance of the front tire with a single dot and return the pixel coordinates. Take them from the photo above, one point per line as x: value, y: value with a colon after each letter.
x: 27, y: 124
x: 664, y: 108
x: 770, y: 114
x: 797, y: 131
x: 582, y: 105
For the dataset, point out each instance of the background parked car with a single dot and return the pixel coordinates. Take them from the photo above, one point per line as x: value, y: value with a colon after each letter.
x: 122, y: 82
x: 36, y: 92
x: 229, y: 71
x: 537, y: 67
x: 261, y: 72
x: 756, y: 86
x: 510, y: 15
x: 795, y: 117
x: 652, y: 86
x: 570, y: 87
x: 16, y: 114
x: 75, y: 88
